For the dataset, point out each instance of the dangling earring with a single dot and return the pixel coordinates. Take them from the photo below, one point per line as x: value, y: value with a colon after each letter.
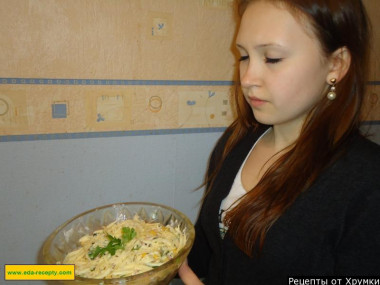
x: 332, y: 95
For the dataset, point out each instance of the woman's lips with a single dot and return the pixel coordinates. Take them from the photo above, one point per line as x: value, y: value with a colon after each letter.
x: 256, y: 102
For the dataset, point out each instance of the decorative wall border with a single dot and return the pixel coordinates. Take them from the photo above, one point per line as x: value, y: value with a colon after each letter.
x: 113, y: 82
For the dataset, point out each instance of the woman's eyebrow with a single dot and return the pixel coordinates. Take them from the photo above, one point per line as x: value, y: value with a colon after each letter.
x: 260, y: 46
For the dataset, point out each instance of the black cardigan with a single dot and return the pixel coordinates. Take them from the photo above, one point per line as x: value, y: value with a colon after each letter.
x: 332, y: 229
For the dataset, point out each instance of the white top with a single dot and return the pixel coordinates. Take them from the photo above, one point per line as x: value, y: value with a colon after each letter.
x: 236, y: 192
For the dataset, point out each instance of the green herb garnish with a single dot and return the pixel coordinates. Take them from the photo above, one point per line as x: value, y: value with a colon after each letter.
x: 114, y: 243
x: 128, y: 234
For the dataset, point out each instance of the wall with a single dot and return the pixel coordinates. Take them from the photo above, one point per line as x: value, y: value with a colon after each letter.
x: 104, y: 102
x: 104, y: 105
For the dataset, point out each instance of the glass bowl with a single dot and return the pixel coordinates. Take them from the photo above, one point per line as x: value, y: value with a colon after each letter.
x: 66, y: 238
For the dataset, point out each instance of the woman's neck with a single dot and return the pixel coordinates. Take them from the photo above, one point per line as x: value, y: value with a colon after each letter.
x: 282, y: 136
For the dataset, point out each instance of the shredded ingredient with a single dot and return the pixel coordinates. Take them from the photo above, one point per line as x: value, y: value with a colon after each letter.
x: 125, y: 248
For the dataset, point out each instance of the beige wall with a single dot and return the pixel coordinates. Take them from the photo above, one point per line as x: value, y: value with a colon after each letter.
x: 117, y: 39
x: 373, y: 8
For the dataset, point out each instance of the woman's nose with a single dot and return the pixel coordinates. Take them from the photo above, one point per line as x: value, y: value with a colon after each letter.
x: 249, y: 74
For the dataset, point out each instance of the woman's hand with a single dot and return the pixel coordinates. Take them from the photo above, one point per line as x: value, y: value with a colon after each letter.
x: 188, y: 276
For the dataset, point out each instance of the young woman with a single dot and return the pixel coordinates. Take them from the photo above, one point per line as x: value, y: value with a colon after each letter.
x: 293, y: 188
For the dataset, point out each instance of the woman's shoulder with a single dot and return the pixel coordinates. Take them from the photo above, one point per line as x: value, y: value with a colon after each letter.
x: 362, y: 150
x: 359, y: 167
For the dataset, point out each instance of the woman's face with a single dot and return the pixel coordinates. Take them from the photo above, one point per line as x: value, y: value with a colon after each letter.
x: 283, y: 73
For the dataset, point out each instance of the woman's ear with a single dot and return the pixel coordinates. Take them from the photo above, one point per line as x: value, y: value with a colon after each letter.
x: 340, y: 62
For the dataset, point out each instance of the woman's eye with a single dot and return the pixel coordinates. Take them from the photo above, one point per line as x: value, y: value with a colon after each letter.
x: 272, y: 60
x: 242, y: 58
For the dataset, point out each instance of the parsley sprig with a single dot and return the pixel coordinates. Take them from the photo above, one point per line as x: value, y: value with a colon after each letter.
x: 114, y: 243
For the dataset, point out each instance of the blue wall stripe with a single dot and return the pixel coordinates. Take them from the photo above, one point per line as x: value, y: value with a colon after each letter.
x: 64, y: 81
x: 371, y: 123
x: 85, y: 135
x: 50, y: 81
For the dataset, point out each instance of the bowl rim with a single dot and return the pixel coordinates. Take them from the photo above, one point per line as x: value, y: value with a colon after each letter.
x: 189, y: 243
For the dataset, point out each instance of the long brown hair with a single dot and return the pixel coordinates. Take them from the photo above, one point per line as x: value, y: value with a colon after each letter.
x: 326, y: 130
